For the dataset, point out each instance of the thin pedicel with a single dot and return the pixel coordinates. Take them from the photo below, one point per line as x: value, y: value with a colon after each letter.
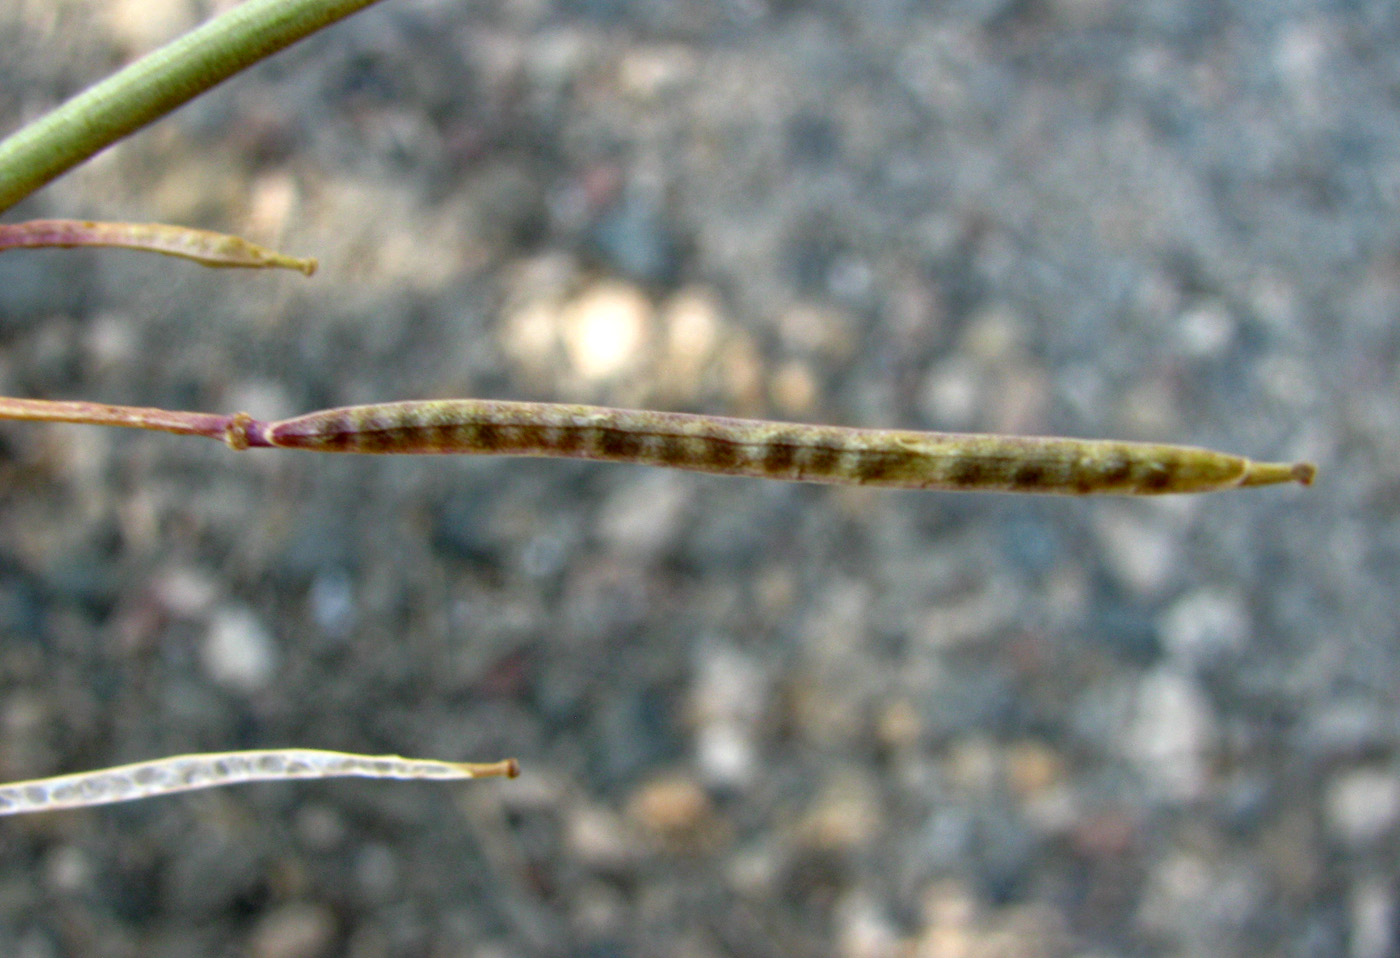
x: 886, y: 458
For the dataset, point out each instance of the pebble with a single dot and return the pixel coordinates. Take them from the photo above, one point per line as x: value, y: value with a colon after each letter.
x: 186, y: 592
x: 693, y: 324
x: 109, y: 343
x: 299, y: 930
x: 139, y: 25
x: 1201, y: 902
x: 1362, y: 806
x: 599, y: 838
x: 642, y: 518
x: 1142, y: 556
x: 953, y: 394
x: 864, y: 930
x: 1172, y: 734
x: 729, y: 694
x: 1205, y: 625
x: 1206, y: 330
x: 239, y: 652
x: 1032, y: 768
x: 605, y: 328
x: 1372, y: 919
x: 673, y: 808
x: 68, y: 869
x: 1344, y: 728
x: 794, y: 389
x: 846, y: 815
x: 378, y: 874
x: 725, y: 754
x: 332, y: 600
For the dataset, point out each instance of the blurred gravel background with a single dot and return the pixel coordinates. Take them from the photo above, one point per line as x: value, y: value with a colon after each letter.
x: 755, y: 719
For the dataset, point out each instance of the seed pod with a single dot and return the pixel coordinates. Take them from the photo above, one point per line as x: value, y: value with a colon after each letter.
x: 741, y: 447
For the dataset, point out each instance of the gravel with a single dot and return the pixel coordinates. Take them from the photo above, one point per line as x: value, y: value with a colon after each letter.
x: 754, y: 719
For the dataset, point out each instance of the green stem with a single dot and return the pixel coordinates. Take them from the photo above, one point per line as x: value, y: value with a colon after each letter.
x: 155, y: 85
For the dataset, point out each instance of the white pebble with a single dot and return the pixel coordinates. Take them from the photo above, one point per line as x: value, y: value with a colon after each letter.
x: 1140, y: 554
x: 294, y: 931
x: 1363, y: 805
x: 239, y: 651
x: 1205, y: 625
x: 605, y: 328
x: 1172, y: 735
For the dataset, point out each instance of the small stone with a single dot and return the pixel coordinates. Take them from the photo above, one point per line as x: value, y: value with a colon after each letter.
x: 724, y: 753
x: 1206, y: 331
x: 1172, y: 734
x: 1204, y: 625
x: 529, y: 335
x: 729, y: 693
x: 953, y: 396
x: 185, y: 592
x: 110, y: 342
x: 729, y: 685
x: 1363, y: 805
x: 139, y: 25
x: 239, y: 651
x: 1372, y: 920
x: 332, y: 601
x: 605, y: 329
x: 262, y: 399
x: 1141, y: 555
x: 1344, y: 728
x: 67, y: 869
x: 693, y: 322
x: 794, y: 388
x: 635, y: 240
x: 320, y: 827
x: 1032, y: 767
x: 673, y: 808
x: 845, y: 816
x: 899, y: 725
x: 816, y: 331
x: 864, y: 930
x: 641, y: 519
x: 598, y: 838
x: 294, y: 931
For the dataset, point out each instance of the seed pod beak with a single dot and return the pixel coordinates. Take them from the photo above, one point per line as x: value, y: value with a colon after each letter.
x: 1273, y: 473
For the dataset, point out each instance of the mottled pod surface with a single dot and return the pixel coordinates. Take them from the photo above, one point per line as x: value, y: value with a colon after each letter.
x: 791, y: 451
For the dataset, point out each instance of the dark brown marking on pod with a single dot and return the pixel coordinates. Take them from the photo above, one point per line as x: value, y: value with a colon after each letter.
x: 1115, y: 471
x: 720, y: 455
x: 819, y: 462
x: 967, y: 471
x: 779, y: 455
x: 488, y: 437
x: 1156, y: 476
x: 618, y: 443
x: 1029, y: 475
x: 874, y: 466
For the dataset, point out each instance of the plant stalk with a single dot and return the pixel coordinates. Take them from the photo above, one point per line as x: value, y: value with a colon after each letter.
x: 155, y: 85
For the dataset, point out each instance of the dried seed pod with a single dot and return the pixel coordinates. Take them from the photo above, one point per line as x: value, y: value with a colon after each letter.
x: 792, y: 451
x: 797, y: 452
x: 183, y: 773
x: 202, y: 246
